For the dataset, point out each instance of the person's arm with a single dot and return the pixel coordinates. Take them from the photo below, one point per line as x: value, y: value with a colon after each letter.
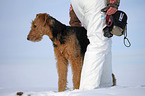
x: 74, y: 21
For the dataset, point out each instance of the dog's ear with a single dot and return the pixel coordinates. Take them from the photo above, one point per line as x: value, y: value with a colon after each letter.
x: 43, y: 17
x: 37, y: 15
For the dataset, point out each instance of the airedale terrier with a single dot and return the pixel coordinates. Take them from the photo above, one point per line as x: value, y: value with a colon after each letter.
x: 69, y: 43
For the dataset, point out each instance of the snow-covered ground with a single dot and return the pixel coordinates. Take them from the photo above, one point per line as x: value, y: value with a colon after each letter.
x: 130, y: 82
x: 112, y: 91
x: 39, y: 78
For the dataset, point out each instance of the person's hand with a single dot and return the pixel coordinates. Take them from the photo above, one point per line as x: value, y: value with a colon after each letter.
x: 111, y: 11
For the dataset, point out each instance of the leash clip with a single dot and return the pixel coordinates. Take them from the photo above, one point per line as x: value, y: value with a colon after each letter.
x: 126, y: 39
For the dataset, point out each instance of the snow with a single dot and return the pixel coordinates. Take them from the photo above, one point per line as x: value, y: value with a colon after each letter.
x: 112, y: 91
x: 130, y: 80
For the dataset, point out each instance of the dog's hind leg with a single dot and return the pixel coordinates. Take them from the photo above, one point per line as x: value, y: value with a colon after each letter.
x: 76, y: 65
x: 62, y: 64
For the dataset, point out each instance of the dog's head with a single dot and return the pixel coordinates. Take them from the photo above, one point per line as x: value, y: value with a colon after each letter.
x: 40, y: 26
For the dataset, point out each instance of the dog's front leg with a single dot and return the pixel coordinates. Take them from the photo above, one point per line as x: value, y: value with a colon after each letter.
x: 62, y: 64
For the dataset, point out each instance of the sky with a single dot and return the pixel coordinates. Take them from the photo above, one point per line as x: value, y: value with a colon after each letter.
x: 28, y: 64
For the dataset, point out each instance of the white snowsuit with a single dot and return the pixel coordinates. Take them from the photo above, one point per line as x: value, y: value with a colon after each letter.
x: 97, y: 66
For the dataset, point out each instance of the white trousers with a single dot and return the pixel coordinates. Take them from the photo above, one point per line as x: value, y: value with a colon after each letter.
x: 97, y: 66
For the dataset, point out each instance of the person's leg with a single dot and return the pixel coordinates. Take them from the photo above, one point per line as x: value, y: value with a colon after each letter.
x: 97, y: 67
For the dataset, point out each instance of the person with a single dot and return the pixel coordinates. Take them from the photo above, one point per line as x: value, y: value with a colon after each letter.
x: 97, y: 65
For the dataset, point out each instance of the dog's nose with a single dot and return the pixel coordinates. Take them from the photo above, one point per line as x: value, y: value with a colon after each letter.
x: 28, y: 38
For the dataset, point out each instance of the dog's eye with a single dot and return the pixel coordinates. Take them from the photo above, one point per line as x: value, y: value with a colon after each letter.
x: 34, y: 26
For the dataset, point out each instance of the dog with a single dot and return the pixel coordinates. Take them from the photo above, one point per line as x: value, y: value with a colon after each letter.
x: 70, y: 44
